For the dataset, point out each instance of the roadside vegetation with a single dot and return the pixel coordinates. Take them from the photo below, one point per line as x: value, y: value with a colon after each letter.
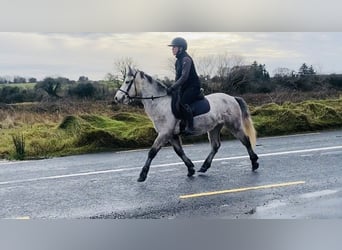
x: 60, y: 129
x: 58, y: 117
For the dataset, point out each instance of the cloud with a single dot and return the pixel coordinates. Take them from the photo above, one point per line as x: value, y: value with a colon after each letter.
x: 94, y: 54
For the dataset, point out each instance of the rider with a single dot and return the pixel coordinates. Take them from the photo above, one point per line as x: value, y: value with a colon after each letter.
x: 187, y: 81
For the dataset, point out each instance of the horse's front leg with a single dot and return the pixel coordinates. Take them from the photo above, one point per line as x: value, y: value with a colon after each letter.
x: 177, y: 146
x: 159, y: 142
x: 215, y: 141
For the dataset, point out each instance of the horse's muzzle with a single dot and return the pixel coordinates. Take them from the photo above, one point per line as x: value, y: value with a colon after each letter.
x: 120, y: 98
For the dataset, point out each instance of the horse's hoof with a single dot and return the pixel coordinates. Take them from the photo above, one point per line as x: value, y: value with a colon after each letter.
x: 141, y: 178
x: 203, y: 170
x: 191, y: 172
x: 255, y: 166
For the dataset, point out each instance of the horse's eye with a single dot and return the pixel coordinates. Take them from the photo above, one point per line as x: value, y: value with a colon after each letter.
x: 127, y: 82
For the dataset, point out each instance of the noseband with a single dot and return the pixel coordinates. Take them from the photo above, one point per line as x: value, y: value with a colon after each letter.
x: 131, y: 83
x: 129, y: 87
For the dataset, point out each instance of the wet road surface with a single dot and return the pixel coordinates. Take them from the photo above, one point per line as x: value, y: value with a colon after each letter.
x: 300, y: 176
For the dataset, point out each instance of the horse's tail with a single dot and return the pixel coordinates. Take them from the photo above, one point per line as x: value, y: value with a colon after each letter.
x: 248, y: 126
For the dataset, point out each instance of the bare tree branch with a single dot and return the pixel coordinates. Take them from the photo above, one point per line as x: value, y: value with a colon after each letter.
x: 122, y: 63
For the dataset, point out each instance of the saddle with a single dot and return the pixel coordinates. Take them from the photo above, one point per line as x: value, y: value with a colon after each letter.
x: 199, y: 107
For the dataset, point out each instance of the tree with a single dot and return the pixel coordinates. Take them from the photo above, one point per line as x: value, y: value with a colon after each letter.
x: 304, y: 70
x: 32, y: 80
x: 237, y: 77
x: 3, y: 80
x: 83, y: 90
x: 283, y: 72
x: 311, y: 71
x: 285, y: 78
x: 83, y: 79
x: 110, y: 77
x: 19, y: 79
x: 206, y: 66
x: 230, y: 71
x: 50, y: 85
x: 246, y: 78
x: 259, y: 71
x: 63, y: 80
x: 335, y: 81
x: 308, y: 80
x: 122, y: 64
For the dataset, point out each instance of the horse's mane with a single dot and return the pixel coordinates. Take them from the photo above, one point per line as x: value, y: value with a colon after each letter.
x: 151, y: 80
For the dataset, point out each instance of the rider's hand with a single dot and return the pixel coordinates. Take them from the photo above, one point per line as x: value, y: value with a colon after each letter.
x: 169, y: 90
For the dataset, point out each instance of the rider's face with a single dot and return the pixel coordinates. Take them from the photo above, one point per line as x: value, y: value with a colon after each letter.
x: 175, y: 50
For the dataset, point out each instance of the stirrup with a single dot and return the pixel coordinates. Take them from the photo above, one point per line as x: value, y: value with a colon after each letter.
x: 188, y: 131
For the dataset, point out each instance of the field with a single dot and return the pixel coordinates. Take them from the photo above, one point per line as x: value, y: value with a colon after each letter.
x: 19, y: 85
x: 49, y: 129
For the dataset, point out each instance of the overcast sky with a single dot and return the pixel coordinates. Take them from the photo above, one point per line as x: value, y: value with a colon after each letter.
x: 93, y: 54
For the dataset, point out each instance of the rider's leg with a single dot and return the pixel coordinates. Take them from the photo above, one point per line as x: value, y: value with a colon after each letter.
x: 189, y: 130
x: 187, y: 97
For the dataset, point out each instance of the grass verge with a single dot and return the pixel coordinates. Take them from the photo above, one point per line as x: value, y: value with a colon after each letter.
x: 64, y: 132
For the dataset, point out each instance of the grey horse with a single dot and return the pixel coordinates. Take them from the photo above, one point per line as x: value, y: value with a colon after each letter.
x: 225, y: 110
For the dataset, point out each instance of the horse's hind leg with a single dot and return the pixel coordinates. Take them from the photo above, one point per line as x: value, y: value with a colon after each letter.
x: 214, y: 138
x: 246, y: 142
x: 177, y: 146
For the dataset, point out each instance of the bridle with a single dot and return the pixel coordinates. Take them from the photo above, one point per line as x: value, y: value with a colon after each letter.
x: 129, y: 87
x: 136, y: 97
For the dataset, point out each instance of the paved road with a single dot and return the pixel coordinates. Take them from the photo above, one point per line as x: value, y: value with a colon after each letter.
x: 300, y: 176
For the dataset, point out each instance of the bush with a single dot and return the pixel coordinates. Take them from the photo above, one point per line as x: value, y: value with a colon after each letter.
x: 51, y: 86
x: 83, y: 90
x: 336, y: 81
x: 19, y: 145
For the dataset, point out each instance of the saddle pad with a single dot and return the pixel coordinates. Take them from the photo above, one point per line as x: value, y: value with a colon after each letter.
x: 199, y: 107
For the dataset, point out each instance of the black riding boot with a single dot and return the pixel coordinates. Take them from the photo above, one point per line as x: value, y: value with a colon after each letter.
x: 189, y: 130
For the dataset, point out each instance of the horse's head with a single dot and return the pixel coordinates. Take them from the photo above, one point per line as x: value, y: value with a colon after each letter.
x: 128, y: 88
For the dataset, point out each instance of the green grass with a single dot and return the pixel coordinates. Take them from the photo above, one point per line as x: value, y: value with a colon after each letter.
x: 273, y: 119
x: 80, y: 134
x: 20, y: 85
x: 128, y: 128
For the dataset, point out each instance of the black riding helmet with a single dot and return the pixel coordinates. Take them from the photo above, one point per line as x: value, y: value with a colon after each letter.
x: 179, y: 42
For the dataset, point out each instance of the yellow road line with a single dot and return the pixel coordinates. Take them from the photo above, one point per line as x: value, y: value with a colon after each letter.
x: 23, y: 218
x: 240, y: 189
x: 18, y: 218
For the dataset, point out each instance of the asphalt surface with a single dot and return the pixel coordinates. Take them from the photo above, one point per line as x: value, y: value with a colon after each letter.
x: 300, y: 176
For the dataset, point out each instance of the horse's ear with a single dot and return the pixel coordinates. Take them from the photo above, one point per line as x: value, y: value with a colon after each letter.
x: 131, y: 71
x: 127, y: 70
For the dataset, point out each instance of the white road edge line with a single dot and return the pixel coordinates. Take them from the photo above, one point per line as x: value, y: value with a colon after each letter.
x: 164, y: 165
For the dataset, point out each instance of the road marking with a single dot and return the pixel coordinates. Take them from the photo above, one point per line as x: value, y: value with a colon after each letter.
x: 188, y: 196
x: 282, y: 153
x: 23, y: 218
x: 165, y: 165
x: 260, y: 155
x: 332, y: 153
x: 19, y: 218
x: 67, y: 176
x: 168, y: 170
x: 289, y: 136
x: 6, y: 162
x: 318, y: 193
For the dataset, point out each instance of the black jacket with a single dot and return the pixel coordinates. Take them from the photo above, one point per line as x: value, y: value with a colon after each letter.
x: 186, y: 76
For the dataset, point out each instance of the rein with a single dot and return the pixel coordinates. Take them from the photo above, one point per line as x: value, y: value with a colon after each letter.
x: 132, y: 82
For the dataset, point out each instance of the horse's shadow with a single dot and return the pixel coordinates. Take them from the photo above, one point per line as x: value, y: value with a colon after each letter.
x: 203, y: 176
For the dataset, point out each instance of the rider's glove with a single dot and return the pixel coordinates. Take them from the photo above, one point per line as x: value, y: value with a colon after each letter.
x: 169, y: 90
